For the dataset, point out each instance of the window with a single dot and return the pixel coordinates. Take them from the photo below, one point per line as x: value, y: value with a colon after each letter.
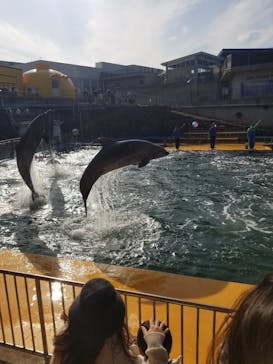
x: 55, y: 83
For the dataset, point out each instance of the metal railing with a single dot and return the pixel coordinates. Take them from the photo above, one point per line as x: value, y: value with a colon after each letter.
x: 31, y: 305
x: 7, y: 148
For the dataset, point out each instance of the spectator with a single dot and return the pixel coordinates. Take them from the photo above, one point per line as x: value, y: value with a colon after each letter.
x: 57, y: 135
x: 75, y: 135
x: 95, y: 333
x: 246, y: 336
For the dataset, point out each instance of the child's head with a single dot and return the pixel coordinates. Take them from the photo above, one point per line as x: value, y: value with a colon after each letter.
x: 167, y: 343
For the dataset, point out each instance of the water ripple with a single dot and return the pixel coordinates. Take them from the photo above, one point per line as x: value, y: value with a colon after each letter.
x: 197, y: 213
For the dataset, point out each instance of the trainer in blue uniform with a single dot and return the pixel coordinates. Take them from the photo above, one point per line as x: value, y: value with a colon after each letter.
x: 251, y: 136
x: 212, y: 135
x: 178, y: 133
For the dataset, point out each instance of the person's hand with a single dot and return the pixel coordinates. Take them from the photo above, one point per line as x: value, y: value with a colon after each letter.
x: 64, y: 316
x: 155, y: 326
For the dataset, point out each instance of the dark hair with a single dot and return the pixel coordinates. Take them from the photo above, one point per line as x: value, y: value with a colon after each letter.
x: 95, y: 315
x: 167, y: 343
x: 246, y: 336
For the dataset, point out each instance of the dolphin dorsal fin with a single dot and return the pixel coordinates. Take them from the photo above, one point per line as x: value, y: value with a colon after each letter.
x: 105, y: 141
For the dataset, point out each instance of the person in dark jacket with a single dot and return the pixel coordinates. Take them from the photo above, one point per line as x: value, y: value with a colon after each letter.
x: 178, y: 134
x: 212, y: 135
x: 251, y: 136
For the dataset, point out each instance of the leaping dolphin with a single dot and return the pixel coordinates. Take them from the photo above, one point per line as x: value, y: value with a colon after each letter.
x: 118, y: 154
x: 39, y: 128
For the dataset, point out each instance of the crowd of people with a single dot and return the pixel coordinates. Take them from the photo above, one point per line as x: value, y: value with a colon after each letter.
x: 94, y: 332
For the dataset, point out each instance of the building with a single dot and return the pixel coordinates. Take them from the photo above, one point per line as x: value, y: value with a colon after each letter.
x: 10, y: 80
x: 115, y: 76
x: 246, y: 73
x: 84, y: 78
x: 45, y: 82
x: 193, y: 66
x: 104, y: 75
x: 199, y: 78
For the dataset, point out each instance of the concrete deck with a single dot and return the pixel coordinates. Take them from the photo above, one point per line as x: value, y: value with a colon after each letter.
x: 259, y: 146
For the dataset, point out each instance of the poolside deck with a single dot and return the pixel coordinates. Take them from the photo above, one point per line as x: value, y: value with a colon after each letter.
x: 259, y: 146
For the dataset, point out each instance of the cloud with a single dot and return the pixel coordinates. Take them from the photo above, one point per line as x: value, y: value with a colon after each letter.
x: 134, y: 31
x: 20, y: 46
x: 244, y: 24
x: 120, y: 31
x: 52, y: 30
x: 146, y: 32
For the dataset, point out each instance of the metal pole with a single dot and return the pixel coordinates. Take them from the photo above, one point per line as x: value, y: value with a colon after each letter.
x: 41, y: 318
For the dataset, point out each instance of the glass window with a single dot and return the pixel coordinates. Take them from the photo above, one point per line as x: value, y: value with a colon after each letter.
x: 55, y: 83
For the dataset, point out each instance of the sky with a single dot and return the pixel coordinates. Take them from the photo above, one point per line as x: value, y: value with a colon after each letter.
x: 143, y: 32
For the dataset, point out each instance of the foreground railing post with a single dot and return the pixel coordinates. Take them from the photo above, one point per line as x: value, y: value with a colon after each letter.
x: 41, y: 318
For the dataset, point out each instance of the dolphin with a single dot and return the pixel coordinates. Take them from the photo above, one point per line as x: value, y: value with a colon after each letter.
x: 39, y: 128
x: 117, y: 154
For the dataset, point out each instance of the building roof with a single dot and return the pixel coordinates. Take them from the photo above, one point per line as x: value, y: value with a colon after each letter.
x: 225, y: 51
x: 181, y: 59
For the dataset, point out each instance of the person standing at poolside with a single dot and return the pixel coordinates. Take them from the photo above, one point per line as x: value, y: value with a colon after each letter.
x: 251, y: 135
x: 178, y: 133
x: 212, y: 135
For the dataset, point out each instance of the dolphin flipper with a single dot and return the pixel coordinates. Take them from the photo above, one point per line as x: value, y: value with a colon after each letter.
x: 143, y: 163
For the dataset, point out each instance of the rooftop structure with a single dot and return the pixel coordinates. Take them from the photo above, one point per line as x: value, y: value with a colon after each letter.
x: 46, y: 82
x: 235, y: 57
x: 188, y: 67
x: 247, y: 73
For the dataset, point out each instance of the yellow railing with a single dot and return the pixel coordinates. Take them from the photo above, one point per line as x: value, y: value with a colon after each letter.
x: 31, y: 305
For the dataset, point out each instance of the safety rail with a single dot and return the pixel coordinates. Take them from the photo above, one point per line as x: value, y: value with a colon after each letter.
x: 31, y: 306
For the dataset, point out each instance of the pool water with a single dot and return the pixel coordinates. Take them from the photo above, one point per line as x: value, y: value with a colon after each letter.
x: 206, y: 213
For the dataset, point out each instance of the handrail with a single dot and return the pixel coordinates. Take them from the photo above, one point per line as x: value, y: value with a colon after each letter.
x: 122, y: 291
x: 31, y: 304
x: 9, y: 141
